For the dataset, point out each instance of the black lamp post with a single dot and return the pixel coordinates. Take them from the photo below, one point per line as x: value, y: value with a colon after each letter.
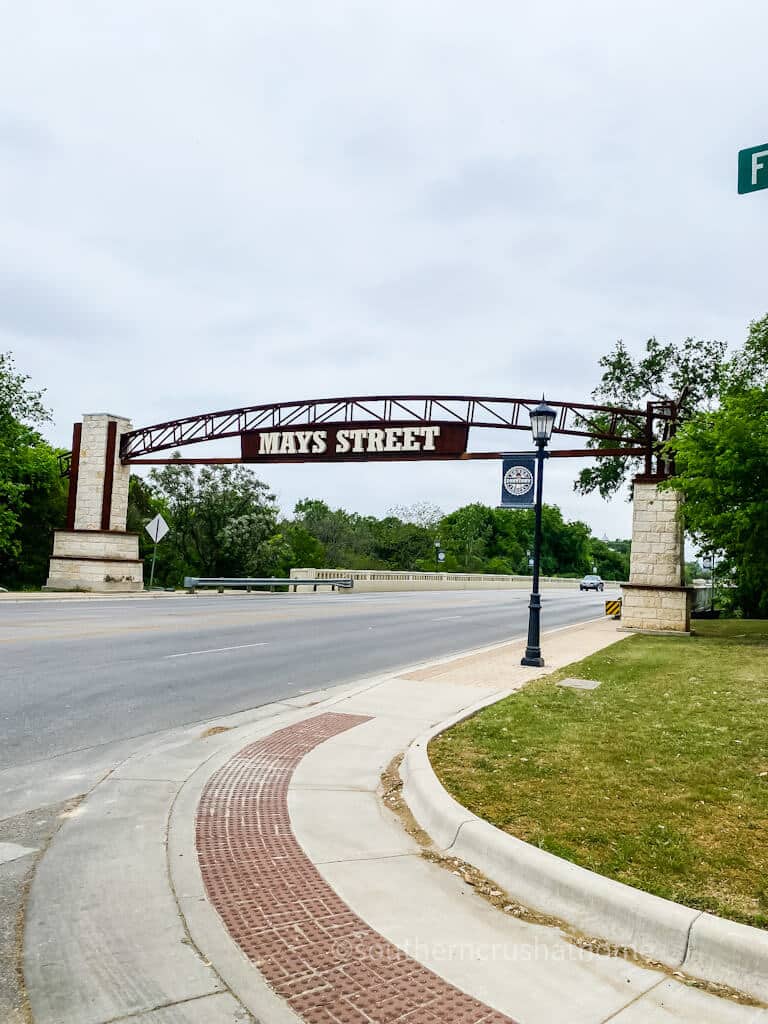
x: 542, y: 423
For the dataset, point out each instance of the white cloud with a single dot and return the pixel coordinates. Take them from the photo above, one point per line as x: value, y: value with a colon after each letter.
x: 205, y: 207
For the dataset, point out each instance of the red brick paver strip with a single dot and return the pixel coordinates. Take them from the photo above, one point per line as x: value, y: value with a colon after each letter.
x: 329, y: 965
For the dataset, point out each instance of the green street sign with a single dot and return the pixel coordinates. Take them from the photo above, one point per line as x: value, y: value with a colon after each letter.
x: 753, y: 169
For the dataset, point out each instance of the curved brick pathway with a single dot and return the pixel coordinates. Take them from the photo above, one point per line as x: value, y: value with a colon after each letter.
x: 329, y: 965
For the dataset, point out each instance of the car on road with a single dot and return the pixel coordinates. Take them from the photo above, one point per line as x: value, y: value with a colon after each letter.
x: 591, y: 583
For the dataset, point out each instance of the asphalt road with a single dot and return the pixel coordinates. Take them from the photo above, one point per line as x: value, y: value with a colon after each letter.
x: 76, y: 675
x: 85, y: 684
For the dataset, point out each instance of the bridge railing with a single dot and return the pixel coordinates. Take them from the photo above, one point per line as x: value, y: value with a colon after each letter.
x: 221, y: 583
x: 366, y: 580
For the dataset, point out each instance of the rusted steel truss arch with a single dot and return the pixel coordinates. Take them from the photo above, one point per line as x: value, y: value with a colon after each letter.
x: 606, y: 427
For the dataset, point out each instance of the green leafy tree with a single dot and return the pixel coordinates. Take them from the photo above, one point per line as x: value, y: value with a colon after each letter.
x: 223, y: 522
x: 749, y: 366
x: 306, y: 551
x: 610, y: 558
x: 482, y: 539
x: 402, y: 545
x: 346, y: 537
x: 44, y: 510
x: 511, y: 540
x: 722, y: 468
x: 690, y: 373
x: 21, y: 409
x: 566, y: 547
x: 32, y: 492
x: 250, y: 544
x: 144, y: 503
x: 465, y: 534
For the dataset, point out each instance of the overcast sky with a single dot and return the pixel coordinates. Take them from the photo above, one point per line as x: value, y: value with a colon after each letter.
x: 206, y: 206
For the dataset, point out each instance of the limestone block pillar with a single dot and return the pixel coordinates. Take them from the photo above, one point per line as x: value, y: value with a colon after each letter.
x: 655, y: 598
x: 95, y: 552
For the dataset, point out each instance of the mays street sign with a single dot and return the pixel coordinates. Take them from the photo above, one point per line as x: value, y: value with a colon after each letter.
x: 753, y: 169
x: 352, y: 442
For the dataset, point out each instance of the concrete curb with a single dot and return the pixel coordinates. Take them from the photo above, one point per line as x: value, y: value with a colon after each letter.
x: 731, y: 953
x: 707, y: 947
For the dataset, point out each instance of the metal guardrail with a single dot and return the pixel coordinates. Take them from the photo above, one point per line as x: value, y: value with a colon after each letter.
x: 191, y: 583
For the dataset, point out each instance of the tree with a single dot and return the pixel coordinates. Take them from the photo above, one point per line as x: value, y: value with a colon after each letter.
x: 421, y: 513
x: 403, y: 545
x: 145, y: 501
x: 223, y: 521
x: 17, y: 400
x: 465, y: 534
x: 306, y: 551
x: 722, y: 468
x: 477, y: 538
x: 610, y: 558
x: 749, y: 366
x: 346, y: 537
x: 32, y: 492
x: 690, y: 373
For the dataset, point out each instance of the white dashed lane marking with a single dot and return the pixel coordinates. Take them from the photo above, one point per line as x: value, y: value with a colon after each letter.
x: 215, y: 650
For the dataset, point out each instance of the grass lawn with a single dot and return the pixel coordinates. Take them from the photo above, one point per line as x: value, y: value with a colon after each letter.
x: 658, y: 778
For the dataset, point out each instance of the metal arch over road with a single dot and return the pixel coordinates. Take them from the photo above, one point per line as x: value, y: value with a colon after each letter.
x: 612, y: 430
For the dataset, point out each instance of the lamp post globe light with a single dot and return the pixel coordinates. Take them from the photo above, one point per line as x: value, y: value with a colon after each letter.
x: 542, y: 424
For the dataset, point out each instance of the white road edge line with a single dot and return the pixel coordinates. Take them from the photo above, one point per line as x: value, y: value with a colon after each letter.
x: 446, y: 618
x: 215, y: 650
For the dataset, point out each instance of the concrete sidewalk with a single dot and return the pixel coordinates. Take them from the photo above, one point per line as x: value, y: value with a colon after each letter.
x: 14, y: 596
x: 254, y: 873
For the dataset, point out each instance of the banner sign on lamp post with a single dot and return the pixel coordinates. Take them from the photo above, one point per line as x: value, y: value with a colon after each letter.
x: 518, y: 479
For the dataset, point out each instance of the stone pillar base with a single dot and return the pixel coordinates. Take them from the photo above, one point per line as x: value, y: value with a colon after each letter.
x: 650, y: 608
x: 95, y: 560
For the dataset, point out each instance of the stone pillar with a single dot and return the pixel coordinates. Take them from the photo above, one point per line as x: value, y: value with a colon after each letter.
x: 95, y: 552
x: 655, y: 599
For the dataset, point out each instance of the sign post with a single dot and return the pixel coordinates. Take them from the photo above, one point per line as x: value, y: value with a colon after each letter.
x: 753, y: 169
x: 157, y: 529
